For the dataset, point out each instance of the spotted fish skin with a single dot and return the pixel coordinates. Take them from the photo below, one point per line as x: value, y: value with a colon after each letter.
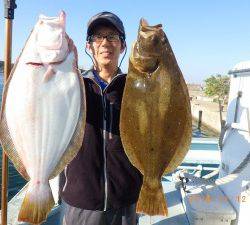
x: 43, y: 113
x: 155, y: 120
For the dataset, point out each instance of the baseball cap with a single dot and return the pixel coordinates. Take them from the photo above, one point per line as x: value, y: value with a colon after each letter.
x: 105, y: 18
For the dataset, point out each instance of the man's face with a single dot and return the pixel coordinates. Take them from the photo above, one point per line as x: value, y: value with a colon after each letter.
x: 105, y: 52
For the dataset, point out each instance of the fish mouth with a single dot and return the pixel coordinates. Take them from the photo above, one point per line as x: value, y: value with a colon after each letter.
x: 148, y: 47
x: 34, y: 64
x: 150, y: 39
x: 144, y: 26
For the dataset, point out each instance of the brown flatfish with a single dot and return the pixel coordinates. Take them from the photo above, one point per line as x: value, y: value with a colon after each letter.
x: 155, y: 120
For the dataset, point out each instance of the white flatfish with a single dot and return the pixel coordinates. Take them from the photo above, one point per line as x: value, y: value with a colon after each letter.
x: 43, y: 113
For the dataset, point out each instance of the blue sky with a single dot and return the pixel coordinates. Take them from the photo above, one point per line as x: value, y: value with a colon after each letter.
x: 208, y: 36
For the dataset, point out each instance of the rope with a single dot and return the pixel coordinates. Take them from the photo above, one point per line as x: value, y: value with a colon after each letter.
x: 211, y: 175
x: 208, y: 178
x: 235, y: 173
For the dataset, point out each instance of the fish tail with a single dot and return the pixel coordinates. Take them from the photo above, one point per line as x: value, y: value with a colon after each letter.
x: 37, y: 203
x: 151, y: 199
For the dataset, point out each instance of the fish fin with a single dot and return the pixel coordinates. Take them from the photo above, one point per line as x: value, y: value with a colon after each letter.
x: 37, y: 203
x: 5, y: 138
x: 152, y: 200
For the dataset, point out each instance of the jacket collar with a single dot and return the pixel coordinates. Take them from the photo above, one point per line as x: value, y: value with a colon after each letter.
x: 89, y: 74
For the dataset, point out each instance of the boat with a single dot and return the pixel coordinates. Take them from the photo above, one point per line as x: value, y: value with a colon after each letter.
x: 226, y: 199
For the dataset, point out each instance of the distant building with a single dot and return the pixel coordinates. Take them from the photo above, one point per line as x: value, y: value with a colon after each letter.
x: 196, y: 92
x: 194, y: 87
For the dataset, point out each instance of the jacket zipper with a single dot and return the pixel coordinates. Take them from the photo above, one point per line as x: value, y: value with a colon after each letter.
x: 104, y: 139
x: 104, y: 153
x: 111, y: 121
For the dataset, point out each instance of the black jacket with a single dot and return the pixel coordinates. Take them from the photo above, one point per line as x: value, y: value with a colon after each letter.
x: 101, y: 176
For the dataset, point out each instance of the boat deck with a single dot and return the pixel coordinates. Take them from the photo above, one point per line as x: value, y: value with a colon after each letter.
x: 176, y: 213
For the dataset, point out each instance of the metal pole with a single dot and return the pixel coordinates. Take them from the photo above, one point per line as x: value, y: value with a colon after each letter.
x: 220, y: 111
x: 9, y: 6
x: 200, y: 120
x: 237, y: 106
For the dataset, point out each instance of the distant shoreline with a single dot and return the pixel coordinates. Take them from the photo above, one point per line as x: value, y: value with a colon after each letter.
x: 1, y: 66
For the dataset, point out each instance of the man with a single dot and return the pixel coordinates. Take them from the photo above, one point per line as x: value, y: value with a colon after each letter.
x: 102, y: 186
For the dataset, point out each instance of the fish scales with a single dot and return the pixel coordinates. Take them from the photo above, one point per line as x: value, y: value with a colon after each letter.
x: 43, y: 113
x: 155, y: 121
